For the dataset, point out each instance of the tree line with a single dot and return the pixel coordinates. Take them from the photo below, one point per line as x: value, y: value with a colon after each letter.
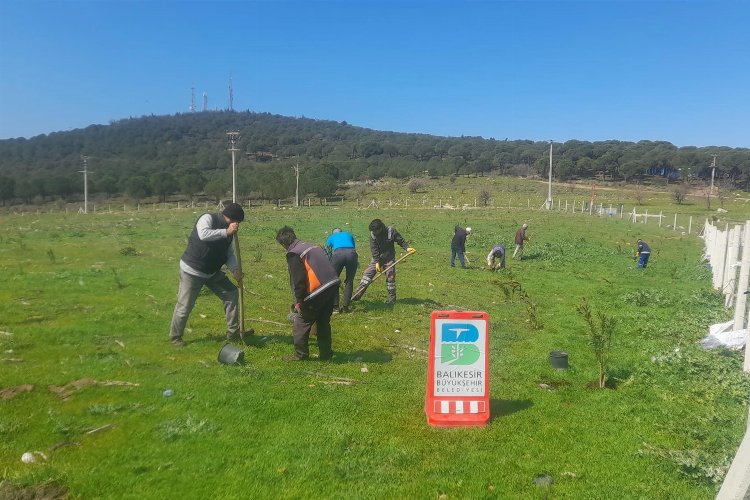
x: 187, y: 153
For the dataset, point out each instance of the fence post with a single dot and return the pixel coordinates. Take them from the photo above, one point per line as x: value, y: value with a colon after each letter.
x: 730, y: 268
x: 690, y: 225
x: 675, y: 222
x: 722, y: 240
x: 740, y: 305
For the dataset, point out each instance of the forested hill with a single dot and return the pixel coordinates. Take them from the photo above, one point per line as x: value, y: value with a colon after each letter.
x: 188, y: 154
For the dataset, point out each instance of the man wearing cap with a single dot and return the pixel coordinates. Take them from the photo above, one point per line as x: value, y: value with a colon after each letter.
x: 458, y: 245
x: 209, y: 248
x: 520, y: 238
x: 343, y: 256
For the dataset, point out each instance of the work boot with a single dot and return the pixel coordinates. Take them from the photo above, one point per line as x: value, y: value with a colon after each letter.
x: 293, y: 357
x: 177, y: 342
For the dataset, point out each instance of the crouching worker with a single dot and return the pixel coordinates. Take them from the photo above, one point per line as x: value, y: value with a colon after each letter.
x: 496, y: 258
x: 314, y: 284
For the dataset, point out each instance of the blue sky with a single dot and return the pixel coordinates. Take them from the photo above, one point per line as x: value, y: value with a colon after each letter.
x: 630, y: 70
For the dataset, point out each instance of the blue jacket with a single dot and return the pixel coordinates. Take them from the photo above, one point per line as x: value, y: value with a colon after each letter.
x: 342, y: 239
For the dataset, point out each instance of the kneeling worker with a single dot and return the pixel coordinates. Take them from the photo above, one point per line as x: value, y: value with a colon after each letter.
x: 314, y: 284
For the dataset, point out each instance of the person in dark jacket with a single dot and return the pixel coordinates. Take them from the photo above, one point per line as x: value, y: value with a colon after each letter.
x: 496, y: 257
x: 343, y: 256
x: 458, y: 245
x: 382, y: 246
x: 209, y: 248
x: 520, y: 239
x: 314, y: 283
x: 644, y: 252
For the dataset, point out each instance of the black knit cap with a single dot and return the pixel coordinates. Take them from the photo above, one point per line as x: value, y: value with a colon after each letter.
x: 234, y: 211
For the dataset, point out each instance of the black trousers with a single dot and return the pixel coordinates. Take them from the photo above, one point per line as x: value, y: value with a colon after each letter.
x: 345, y: 258
x: 317, y: 310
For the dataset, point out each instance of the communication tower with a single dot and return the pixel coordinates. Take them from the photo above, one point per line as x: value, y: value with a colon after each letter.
x: 192, y: 99
x: 231, y: 94
x: 205, y: 101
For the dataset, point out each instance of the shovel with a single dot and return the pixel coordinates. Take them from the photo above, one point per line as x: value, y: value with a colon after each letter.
x: 358, y: 294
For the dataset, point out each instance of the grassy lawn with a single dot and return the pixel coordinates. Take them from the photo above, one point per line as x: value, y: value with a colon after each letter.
x: 88, y: 299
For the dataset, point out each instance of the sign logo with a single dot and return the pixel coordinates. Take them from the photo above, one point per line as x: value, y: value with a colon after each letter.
x: 458, y: 344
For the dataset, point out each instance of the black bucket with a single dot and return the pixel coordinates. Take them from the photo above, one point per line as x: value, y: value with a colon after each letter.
x: 230, y: 355
x: 558, y: 360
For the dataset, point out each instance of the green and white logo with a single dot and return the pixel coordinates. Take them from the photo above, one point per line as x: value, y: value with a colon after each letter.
x: 458, y: 344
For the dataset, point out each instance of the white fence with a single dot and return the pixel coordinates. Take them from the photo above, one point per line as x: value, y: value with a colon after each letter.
x: 727, y: 250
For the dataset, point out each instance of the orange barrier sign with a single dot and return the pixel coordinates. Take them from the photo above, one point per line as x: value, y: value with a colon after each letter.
x: 458, y: 384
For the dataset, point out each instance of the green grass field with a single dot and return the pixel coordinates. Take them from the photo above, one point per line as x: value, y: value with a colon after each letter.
x: 85, y: 305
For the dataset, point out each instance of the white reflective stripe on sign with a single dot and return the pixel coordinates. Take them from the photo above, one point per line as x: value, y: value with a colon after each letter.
x: 460, y: 407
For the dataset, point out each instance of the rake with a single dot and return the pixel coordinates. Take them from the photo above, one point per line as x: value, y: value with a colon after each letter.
x: 358, y: 294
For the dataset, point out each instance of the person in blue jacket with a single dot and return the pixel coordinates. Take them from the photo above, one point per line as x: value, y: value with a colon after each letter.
x: 343, y: 256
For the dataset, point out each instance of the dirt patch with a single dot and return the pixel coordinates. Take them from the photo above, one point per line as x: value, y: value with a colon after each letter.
x: 12, y: 392
x: 46, y: 491
x: 67, y: 390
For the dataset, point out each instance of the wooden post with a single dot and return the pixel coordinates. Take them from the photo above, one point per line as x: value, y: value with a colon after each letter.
x: 675, y: 222
x: 660, y: 215
x: 241, y: 287
x: 690, y: 225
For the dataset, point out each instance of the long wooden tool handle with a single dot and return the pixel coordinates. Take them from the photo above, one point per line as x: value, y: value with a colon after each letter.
x: 238, y: 255
x: 387, y: 268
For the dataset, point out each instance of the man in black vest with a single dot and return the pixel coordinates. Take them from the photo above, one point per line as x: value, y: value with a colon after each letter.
x: 209, y: 248
x: 315, y: 285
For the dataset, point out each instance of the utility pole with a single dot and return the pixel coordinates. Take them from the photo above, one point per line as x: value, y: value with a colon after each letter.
x: 85, y: 172
x: 233, y: 136
x: 296, y: 174
x: 549, y: 184
x: 713, y: 172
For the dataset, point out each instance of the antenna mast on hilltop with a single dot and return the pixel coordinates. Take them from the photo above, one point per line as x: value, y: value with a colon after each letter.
x: 205, y: 101
x: 192, y: 99
x: 231, y: 94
